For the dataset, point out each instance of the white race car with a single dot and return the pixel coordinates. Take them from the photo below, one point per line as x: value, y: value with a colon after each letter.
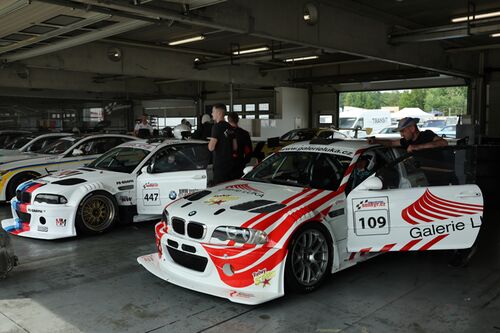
x: 136, y: 179
x: 64, y: 153
x: 311, y: 209
x: 25, y: 146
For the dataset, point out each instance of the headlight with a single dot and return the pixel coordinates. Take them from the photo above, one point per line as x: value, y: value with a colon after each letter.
x: 51, y: 198
x: 240, y: 235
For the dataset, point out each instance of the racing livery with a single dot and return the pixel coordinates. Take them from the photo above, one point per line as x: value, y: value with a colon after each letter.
x: 313, y: 208
x: 64, y: 153
x: 133, y: 181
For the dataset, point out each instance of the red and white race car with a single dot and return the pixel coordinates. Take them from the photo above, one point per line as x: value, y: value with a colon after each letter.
x: 315, y: 208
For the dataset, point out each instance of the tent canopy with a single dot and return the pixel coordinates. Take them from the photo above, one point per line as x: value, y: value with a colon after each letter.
x: 411, y: 112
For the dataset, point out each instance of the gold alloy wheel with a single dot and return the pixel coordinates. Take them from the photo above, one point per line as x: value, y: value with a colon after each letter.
x: 98, y: 212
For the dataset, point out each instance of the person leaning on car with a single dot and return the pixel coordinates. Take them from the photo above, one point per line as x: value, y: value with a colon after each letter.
x: 221, y: 145
x: 412, y: 139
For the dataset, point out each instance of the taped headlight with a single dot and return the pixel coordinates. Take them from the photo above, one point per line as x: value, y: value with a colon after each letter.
x: 240, y: 235
x: 54, y: 199
x: 165, y: 217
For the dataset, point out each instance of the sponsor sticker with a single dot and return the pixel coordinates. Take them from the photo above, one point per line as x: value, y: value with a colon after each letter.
x: 126, y: 181
x: 240, y: 294
x: 172, y: 195
x: 42, y: 228
x: 60, y: 222
x: 220, y: 198
x: 245, y: 188
x: 319, y: 149
x: 263, y: 277
x: 150, y: 185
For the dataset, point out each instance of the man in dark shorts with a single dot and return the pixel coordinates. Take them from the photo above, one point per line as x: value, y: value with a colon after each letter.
x: 221, y: 144
x: 243, y: 151
x: 411, y: 137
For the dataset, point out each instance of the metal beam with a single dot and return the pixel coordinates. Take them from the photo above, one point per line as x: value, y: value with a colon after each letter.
x: 115, y: 29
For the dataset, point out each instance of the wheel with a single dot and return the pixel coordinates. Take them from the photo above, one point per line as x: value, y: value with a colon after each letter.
x: 309, y: 259
x: 96, y: 213
x: 17, y: 180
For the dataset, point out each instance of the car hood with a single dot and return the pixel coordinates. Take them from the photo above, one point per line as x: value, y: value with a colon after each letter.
x: 66, y: 182
x: 242, y: 202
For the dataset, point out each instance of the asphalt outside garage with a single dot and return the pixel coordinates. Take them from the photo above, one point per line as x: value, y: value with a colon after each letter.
x: 94, y: 284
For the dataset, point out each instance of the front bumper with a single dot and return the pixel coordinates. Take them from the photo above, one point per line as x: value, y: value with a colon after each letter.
x: 204, y: 272
x: 42, y: 221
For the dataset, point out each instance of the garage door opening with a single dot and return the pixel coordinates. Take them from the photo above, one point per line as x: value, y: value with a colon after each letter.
x: 439, y: 109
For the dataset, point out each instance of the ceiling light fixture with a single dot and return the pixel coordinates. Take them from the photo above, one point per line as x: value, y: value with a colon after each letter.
x: 187, y: 40
x: 301, y: 58
x: 495, y: 35
x: 310, y: 13
x: 476, y: 17
x: 255, y: 50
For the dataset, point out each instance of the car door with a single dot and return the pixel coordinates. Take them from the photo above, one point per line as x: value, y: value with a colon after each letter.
x: 175, y: 171
x: 424, y: 201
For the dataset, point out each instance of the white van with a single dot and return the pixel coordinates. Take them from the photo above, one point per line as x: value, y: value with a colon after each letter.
x: 357, y: 118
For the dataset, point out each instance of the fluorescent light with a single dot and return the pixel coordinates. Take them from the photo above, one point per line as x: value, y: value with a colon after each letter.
x: 495, y: 35
x: 187, y: 40
x: 258, y: 49
x: 476, y: 17
x: 301, y: 58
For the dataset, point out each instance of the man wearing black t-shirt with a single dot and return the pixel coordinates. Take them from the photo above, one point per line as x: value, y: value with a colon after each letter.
x: 411, y: 137
x: 243, y: 151
x: 221, y: 144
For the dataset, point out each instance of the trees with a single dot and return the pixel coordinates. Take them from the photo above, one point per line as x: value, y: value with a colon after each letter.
x: 450, y: 100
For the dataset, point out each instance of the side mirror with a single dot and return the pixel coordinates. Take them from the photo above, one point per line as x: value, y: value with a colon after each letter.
x: 247, y: 169
x: 372, y: 183
x: 77, y: 152
x: 146, y: 169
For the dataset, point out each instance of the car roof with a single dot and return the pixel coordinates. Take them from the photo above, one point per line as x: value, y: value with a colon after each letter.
x: 340, y: 147
x: 152, y: 145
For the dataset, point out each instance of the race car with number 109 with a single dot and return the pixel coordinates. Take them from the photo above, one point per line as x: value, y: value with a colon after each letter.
x: 132, y: 182
x: 312, y: 209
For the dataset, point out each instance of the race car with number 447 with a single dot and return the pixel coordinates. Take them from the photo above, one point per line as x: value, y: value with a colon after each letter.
x: 312, y: 209
x: 130, y: 183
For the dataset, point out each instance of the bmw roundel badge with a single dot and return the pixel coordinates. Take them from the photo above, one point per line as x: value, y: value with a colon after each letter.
x: 191, y: 213
x: 172, y: 195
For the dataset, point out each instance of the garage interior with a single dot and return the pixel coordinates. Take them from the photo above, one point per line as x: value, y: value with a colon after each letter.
x: 62, y: 59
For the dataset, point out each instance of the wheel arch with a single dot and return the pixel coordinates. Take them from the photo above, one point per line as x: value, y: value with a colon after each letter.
x: 15, y: 176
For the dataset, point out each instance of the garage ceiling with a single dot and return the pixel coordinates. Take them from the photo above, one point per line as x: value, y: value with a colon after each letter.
x: 118, y: 46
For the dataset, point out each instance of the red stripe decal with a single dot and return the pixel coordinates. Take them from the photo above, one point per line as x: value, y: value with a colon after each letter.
x: 432, y: 242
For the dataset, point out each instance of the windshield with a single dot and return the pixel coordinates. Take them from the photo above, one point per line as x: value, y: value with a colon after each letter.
x: 434, y: 123
x: 299, y: 135
x: 304, y: 169
x: 121, y: 159
x: 389, y: 130
x: 58, y: 146
x: 18, y: 142
x: 347, y: 122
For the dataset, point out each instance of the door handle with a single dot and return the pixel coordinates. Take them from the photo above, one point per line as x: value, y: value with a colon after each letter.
x: 468, y: 194
x: 199, y: 176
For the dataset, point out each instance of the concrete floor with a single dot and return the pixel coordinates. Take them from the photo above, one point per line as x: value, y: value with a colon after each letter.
x: 94, y: 284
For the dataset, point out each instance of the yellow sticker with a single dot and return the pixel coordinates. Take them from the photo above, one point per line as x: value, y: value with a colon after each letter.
x: 220, y: 198
x: 263, y: 277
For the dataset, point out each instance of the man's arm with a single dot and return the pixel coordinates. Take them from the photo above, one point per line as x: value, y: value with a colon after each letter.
x: 212, y: 143
x: 385, y: 142
x: 437, y: 141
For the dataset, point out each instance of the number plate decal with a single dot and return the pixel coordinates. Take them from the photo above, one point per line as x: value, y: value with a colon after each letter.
x: 371, y: 216
x: 151, y: 197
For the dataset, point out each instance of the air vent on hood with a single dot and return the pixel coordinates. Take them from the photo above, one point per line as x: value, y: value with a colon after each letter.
x: 197, y: 195
x: 252, y: 204
x: 268, y: 209
x: 70, y: 181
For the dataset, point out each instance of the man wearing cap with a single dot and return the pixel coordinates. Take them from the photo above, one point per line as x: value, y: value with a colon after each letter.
x: 411, y: 137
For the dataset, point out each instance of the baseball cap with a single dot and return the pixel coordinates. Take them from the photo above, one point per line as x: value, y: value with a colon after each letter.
x: 407, y: 121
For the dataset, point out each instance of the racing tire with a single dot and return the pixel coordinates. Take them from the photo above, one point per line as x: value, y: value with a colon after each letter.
x: 96, y: 213
x: 309, y: 259
x: 17, y: 180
